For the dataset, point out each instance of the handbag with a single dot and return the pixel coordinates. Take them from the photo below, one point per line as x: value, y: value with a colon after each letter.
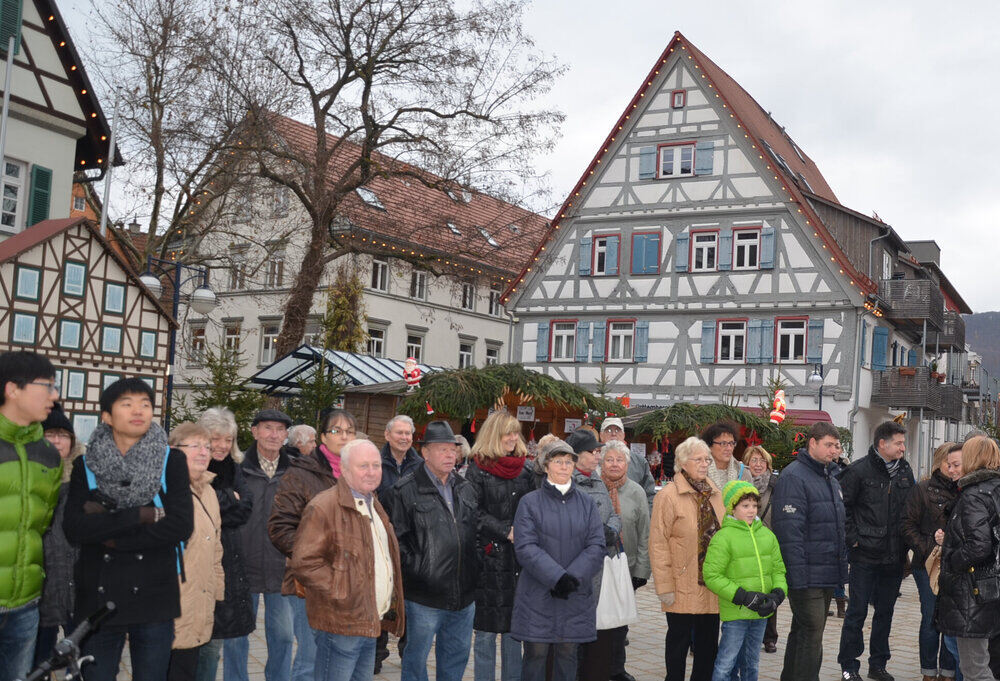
x: 933, y: 567
x: 616, y: 602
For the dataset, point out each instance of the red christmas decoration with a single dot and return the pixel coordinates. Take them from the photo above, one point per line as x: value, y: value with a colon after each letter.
x: 411, y: 373
x: 473, y: 425
x: 778, y: 412
x: 430, y: 409
x: 753, y: 439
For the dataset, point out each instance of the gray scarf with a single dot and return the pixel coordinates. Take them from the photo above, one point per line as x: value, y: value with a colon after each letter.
x: 760, y: 482
x: 133, y: 479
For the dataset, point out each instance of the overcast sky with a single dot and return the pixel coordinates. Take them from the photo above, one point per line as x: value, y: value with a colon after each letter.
x: 894, y: 101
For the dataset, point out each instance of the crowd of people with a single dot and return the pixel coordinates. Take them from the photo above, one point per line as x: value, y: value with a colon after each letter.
x: 456, y: 548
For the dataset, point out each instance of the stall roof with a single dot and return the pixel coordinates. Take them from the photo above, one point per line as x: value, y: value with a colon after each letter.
x: 282, y: 377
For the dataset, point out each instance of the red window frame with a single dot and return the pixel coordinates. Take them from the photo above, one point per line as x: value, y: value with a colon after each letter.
x: 593, y: 254
x: 694, y: 158
x: 659, y: 252
x: 805, y: 342
x: 718, y: 335
x: 691, y: 235
x: 748, y: 228
x: 607, y: 337
x: 552, y: 337
x: 673, y: 94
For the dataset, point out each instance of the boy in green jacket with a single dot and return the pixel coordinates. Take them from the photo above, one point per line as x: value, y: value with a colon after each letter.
x: 743, y: 567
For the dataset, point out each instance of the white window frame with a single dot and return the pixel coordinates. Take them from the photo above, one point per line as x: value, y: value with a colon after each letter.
x: 269, y: 332
x: 79, y: 203
x: 237, y: 272
x: 601, y: 253
x: 151, y: 337
x: 788, y: 331
x: 66, y: 333
x: 24, y: 275
x: 418, y: 285
x: 495, y: 308
x: 676, y: 160
x: 376, y: 341
x: 621, y: 341
x: 18, y: 185
x: 415, y: 346
x: 747, y: 241
x: 276, y: 270
x: 704, y: 242
x: 680, y: 95
x: 199, y: 342
x: 563, y: 348
x: 736, y: 333
x: 380, y: 275
x: 72, y: 287
x: 468, y: 301
x: 466, y: 351
x: 19, y: 325
x: 492, y: 354
x: 231, y: 333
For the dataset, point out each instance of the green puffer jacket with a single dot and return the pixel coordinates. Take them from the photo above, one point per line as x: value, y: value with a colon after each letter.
x: 742, y: 555
x: 30, y: 473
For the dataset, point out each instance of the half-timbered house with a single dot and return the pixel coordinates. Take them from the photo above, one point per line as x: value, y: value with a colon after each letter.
x: 702, y: 253
x: 66, y: 293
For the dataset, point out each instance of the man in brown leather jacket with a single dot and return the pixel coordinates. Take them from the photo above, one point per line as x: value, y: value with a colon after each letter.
x: 346, y: 557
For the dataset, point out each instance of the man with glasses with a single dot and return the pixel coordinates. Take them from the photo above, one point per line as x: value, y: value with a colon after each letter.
x: 721, y: 438
x: 30, y: 473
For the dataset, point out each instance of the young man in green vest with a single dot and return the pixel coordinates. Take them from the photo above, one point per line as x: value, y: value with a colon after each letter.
x: 30, y: 473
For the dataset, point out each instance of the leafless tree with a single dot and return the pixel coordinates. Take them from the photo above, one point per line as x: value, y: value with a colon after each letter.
x: 439, y: 92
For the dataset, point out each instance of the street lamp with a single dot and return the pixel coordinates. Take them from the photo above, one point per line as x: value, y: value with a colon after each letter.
x: 816, y: 381
x: 202, y: 300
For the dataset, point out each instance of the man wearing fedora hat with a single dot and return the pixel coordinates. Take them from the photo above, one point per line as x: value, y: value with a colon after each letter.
x: 434, y: 514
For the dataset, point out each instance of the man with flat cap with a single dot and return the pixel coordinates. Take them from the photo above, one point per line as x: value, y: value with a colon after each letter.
x: 433, y: 511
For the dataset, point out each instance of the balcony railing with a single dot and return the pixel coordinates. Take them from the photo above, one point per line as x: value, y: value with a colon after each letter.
x: 951, y: 336
x: 913, y: 302
x: 906, y: 388
x: 951, y: 402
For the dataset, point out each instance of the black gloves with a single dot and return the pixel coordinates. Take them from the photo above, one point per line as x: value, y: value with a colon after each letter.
x: 778, y: 595
x: 566, y: 585
x: 610, y: 536
x: 768, y: 607
x: 753, y: 600
x: 638, y: 582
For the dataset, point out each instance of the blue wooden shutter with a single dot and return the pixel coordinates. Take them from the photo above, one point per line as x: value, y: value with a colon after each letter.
x: 725, y: 258
x: 704, y: 153
x: 767, y: 248
x: 10, y: 25
x: 582, y: 341
x: 41, y: 191
x: 755, y: 331
x: 597, y: 342
x: 638, y: 254
x: 880, y: 347
x: 647, y: 163
x: 641, y: 340
x: 542, y: 348
x: 814, y: 341
x: 611, y: 259
x: 911, y: 358
x: 681, y: 252
x: 652, y: 264
x: 708, y: 342
x: 767, y: 341
x: 585, y: 255
x: 864, y: 340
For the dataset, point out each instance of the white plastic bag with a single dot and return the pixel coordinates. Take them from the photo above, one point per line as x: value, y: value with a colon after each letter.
x: 616, y: 603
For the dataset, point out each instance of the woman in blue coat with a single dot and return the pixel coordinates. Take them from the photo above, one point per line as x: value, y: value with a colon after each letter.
x: 559, y: 543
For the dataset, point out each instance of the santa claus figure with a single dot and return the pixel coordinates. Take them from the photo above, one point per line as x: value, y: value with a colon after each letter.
x: 411, y: 373
x: 778, y: 408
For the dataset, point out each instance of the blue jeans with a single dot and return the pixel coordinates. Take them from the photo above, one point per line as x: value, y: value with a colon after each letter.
x: 453, y: 632
x: 563, y: 661
x: 930, y: 639
x: 18, y: 629
x: 148, y: 646
x: 878, y: 585
x: 278, y: 632
x: 305, y: 656
x: 740, y: 644
x: 208, y: 660
x: 951, y: 644
x: 344, y: 658
x: 484, y: 661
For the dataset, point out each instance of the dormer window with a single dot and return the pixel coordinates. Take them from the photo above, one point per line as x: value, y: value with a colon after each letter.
x: 462, y: 196
x: 489, y: 239
x: 369, y: 197
x: 678, y: 99
x: 514, y: 229
x: 454, y: 230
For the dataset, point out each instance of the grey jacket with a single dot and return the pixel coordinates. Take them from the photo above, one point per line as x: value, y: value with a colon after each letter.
x: 595, y: 488
x: 635, y: 528
x: 638, y: 470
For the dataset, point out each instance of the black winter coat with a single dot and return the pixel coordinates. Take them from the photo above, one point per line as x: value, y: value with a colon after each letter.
x: 970, y: 542
x: 498, y: 500
x: 56, y: 606
x: 874, y: 505
x: 234, y: 615
x: 438, y: 551
x: 139, y: 572
x: 265, y: 565
x: 927, y: 510
x: 808, y: 519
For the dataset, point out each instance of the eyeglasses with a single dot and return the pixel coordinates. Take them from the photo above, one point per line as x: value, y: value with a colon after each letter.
x: 193, y: 445
x: 724, y: 443
x: 52, y: 387
x: 700, y: 459
x: 345, y: 431
x: 58, y: 435
x: 561, y: 462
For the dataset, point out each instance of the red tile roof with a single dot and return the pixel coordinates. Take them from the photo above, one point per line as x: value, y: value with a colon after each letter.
x: 759, y: 127
x: 418, y: 215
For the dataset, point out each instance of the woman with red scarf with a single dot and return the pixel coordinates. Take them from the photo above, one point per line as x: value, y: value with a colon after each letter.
x: 500, y: 477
